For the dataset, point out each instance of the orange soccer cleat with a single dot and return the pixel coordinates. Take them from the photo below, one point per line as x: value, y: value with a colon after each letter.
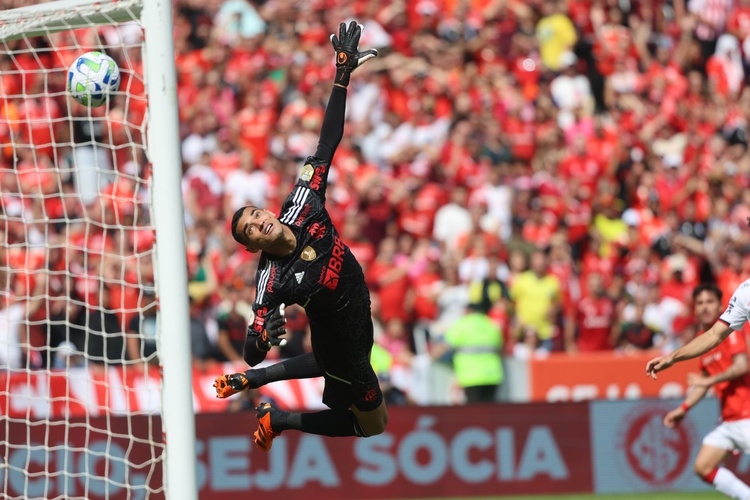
x: 226, y: 385
x: 264, y: 435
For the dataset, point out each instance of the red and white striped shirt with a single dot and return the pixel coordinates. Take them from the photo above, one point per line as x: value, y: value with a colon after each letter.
x: 712, y: 16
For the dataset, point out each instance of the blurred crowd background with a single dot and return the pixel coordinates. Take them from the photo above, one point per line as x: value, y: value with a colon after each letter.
x: 517, y: 178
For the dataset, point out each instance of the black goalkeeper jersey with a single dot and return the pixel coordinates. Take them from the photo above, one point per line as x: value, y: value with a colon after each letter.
x: 321, y: 273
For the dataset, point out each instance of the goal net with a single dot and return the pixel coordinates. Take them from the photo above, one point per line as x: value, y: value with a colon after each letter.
x: 80, y: 353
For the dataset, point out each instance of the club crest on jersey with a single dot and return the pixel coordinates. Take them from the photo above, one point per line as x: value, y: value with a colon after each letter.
x: 371, y: 395
x: 307, y: 172
x: 317, y: 230
x: 308, y: 254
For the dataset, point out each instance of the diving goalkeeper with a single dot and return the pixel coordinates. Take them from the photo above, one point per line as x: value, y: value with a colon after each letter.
x: 304, y: 261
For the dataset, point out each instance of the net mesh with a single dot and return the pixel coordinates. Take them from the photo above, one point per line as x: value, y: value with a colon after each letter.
x: 79, y: 381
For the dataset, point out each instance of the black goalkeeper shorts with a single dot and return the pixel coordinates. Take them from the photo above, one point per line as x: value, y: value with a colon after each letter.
x: 342, y: 342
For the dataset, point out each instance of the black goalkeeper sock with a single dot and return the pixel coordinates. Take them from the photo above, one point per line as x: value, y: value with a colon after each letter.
x: 333, y: 423
x: 303, y: 366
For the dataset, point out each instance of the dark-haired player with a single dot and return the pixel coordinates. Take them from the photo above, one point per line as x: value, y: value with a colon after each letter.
x: 304, y: 261
x: 724, y: 368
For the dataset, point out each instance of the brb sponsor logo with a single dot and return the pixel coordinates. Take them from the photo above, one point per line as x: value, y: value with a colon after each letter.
x: 652, y: 452
x: 330, y: 274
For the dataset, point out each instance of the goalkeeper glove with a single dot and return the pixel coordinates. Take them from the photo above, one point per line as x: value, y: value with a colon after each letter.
x: 274, y: 327
x: 348, y: 57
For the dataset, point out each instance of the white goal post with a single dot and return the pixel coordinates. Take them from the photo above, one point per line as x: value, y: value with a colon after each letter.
x: 88, y: 410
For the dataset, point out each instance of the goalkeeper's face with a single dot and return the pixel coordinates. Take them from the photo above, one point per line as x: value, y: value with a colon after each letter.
x: 255, y: 228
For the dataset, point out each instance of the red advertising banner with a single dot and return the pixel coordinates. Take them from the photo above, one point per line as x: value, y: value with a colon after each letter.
x: 425, y: 452
x: 113, y: 391
x: 566, y: 377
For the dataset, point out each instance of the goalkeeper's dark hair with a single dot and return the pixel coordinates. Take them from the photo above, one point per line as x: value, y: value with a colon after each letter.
x: 707, y: 287
x: 239, y: 238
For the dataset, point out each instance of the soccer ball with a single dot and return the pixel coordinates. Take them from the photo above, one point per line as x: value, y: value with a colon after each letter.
x: 92, y: 78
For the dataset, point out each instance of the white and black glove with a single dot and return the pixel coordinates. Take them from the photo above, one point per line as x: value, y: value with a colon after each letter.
x: 348, y: 57
x: 274, y: 327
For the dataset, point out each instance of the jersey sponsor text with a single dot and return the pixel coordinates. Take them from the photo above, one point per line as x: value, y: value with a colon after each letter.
x: 332, y: 272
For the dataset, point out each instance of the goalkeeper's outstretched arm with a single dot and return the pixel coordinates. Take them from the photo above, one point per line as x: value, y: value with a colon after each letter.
x: 332, y: 129
x: 348, y: 58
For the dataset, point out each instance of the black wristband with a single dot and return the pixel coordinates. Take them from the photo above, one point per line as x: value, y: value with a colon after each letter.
x: 262, y: 346
x: 343, y: 73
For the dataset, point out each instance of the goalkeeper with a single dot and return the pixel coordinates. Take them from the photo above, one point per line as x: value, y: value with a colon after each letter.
x: 303, y: 261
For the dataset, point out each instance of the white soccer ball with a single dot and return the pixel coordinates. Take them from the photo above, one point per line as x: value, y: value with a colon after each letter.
x: 92, y: 78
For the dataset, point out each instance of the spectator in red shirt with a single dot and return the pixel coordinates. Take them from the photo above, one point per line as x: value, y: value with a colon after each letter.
x: 519, y: 130
x: 590, y: 325
x: 227, y: 158
x: 255, y: 122
x: 670, y: 181
x: 730, y: 275
x: 390, y: 282
x: 375, y: 205
x: 427, y: 286
x: 579, y: 163
x: 595, y: 262
x: 202, y: 189
x: 540, y: 226
x: 361, y: 247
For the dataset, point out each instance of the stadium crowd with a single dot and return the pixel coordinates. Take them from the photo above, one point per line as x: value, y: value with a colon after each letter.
x: 569, y: 168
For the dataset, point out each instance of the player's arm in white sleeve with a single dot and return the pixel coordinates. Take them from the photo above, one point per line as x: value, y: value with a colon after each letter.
x: 732, y: 319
